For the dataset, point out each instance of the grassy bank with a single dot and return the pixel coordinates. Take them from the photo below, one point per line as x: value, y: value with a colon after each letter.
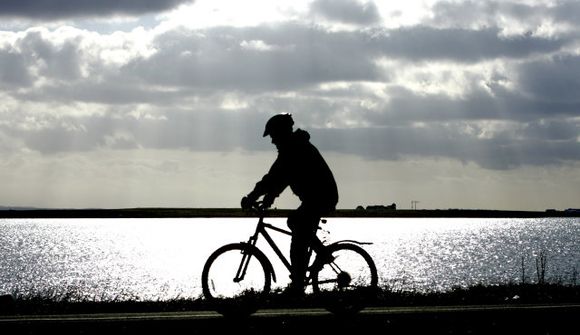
x: 476, y: 295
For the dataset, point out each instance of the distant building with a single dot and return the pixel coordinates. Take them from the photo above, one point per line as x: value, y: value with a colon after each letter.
x: 380, y: 208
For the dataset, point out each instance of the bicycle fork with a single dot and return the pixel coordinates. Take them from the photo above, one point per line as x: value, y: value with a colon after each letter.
x: 241, y: 273
x: 246, y: 255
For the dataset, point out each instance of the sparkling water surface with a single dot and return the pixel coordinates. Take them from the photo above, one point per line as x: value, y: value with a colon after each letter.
x: 162, y: 259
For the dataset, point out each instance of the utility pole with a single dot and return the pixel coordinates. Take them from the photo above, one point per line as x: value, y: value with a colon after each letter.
x: 414, y: 204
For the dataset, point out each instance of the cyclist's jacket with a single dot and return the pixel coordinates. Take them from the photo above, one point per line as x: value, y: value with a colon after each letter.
x: 301, y: 166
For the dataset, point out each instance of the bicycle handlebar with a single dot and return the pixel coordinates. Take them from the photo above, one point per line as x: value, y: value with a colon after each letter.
x: 257, y: 207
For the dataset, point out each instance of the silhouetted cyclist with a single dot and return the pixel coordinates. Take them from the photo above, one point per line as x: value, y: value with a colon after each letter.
x: 300, y: 166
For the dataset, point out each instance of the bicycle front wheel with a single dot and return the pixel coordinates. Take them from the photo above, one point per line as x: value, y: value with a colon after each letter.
x: 349, y: 282
x: 234, y: 270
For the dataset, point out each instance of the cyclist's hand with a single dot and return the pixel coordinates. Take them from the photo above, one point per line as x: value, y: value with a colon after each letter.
x: 268, y: 201
x: 247, y: 203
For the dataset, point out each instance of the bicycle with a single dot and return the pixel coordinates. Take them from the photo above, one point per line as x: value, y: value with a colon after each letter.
x: 237, y: 277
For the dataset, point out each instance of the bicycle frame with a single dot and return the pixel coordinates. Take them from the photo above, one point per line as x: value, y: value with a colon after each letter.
x: 261, y: 229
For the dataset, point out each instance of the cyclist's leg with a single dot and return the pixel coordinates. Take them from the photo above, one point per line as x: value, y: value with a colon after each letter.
x: 304, y: 224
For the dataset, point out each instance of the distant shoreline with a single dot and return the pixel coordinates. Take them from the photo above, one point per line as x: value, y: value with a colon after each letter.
x: 234, y: 212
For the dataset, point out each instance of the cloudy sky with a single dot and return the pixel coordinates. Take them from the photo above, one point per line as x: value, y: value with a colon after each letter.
x: 127, y: 103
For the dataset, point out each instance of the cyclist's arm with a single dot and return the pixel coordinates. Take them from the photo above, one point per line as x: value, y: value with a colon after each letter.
x: 273, y: 183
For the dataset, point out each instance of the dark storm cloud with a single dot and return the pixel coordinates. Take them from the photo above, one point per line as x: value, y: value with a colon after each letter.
x: 473, y: 12
x: 503, y: 151
x: 550, y: 130
x: 33, y: 53
x: 568, y: 12
x: 112, y: 93
x: 14, y: 72
x: 346, y: 11
x: 497, y: 103
x: 292, y: 56
x: 60, y: 62
x: 196, y: 130
x: 555, y: 80
x: 524, y: 130
x: 447, y: 13
x: 461, y: 45
x: 263, y: 58
x: 295, y: 56
x: 63, y: 9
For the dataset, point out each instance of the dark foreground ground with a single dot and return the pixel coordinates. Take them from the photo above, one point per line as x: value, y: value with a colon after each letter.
x: 504, y: 319
x: 508, y: 309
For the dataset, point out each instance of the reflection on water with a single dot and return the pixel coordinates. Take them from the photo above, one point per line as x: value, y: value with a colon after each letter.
x: 104, y: 259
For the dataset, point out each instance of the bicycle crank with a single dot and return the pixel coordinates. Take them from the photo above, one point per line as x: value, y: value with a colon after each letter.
x: 343, y: 280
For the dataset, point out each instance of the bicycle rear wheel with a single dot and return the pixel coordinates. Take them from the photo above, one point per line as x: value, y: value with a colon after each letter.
x: 235, y: 278
x: 348, y: 283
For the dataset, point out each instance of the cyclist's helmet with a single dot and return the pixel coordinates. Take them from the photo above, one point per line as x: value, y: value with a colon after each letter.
x: 279, y: 123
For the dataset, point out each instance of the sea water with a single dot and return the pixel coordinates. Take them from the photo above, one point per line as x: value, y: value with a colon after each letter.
x: 162, y: 259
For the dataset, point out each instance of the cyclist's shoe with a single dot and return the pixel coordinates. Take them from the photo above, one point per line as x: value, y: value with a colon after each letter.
x: 292, y: 294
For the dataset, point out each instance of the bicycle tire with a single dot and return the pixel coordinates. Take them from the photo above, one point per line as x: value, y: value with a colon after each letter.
x: 237, y: 300
x: 349, y: 283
